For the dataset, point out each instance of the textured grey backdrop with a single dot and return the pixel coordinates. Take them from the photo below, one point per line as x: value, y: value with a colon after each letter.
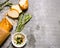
x: 43, y: 30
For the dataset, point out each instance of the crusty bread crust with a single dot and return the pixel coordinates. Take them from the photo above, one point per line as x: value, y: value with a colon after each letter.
x: 24, y: 4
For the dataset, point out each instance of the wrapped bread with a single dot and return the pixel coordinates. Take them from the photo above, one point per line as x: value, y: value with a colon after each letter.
x: 3, y: 35
x: 5, y: 27
x: 6, y: 24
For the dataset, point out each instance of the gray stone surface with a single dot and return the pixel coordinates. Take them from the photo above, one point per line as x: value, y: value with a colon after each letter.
x: 43, y: 30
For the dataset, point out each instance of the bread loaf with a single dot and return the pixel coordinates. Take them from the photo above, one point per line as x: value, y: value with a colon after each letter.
x: 23, y: 4
x: 5, y: 27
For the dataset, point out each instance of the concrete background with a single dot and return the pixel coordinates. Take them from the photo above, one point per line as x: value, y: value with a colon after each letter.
x: 43, y: 30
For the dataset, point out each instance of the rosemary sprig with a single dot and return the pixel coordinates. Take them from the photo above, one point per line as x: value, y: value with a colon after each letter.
x: 23, y: 19
x: 4, y: 4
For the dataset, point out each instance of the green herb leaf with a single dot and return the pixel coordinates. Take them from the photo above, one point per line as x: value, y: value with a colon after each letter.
x: 27, y: 18
x: 8, y: 4
x: 4, y: 4
x: 23, y: 19
x: 20, y: 26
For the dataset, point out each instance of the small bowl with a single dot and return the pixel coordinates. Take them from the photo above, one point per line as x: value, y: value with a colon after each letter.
x: 23, y: 43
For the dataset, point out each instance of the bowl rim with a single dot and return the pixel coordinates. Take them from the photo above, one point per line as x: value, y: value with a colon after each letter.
x: 21, y: 45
